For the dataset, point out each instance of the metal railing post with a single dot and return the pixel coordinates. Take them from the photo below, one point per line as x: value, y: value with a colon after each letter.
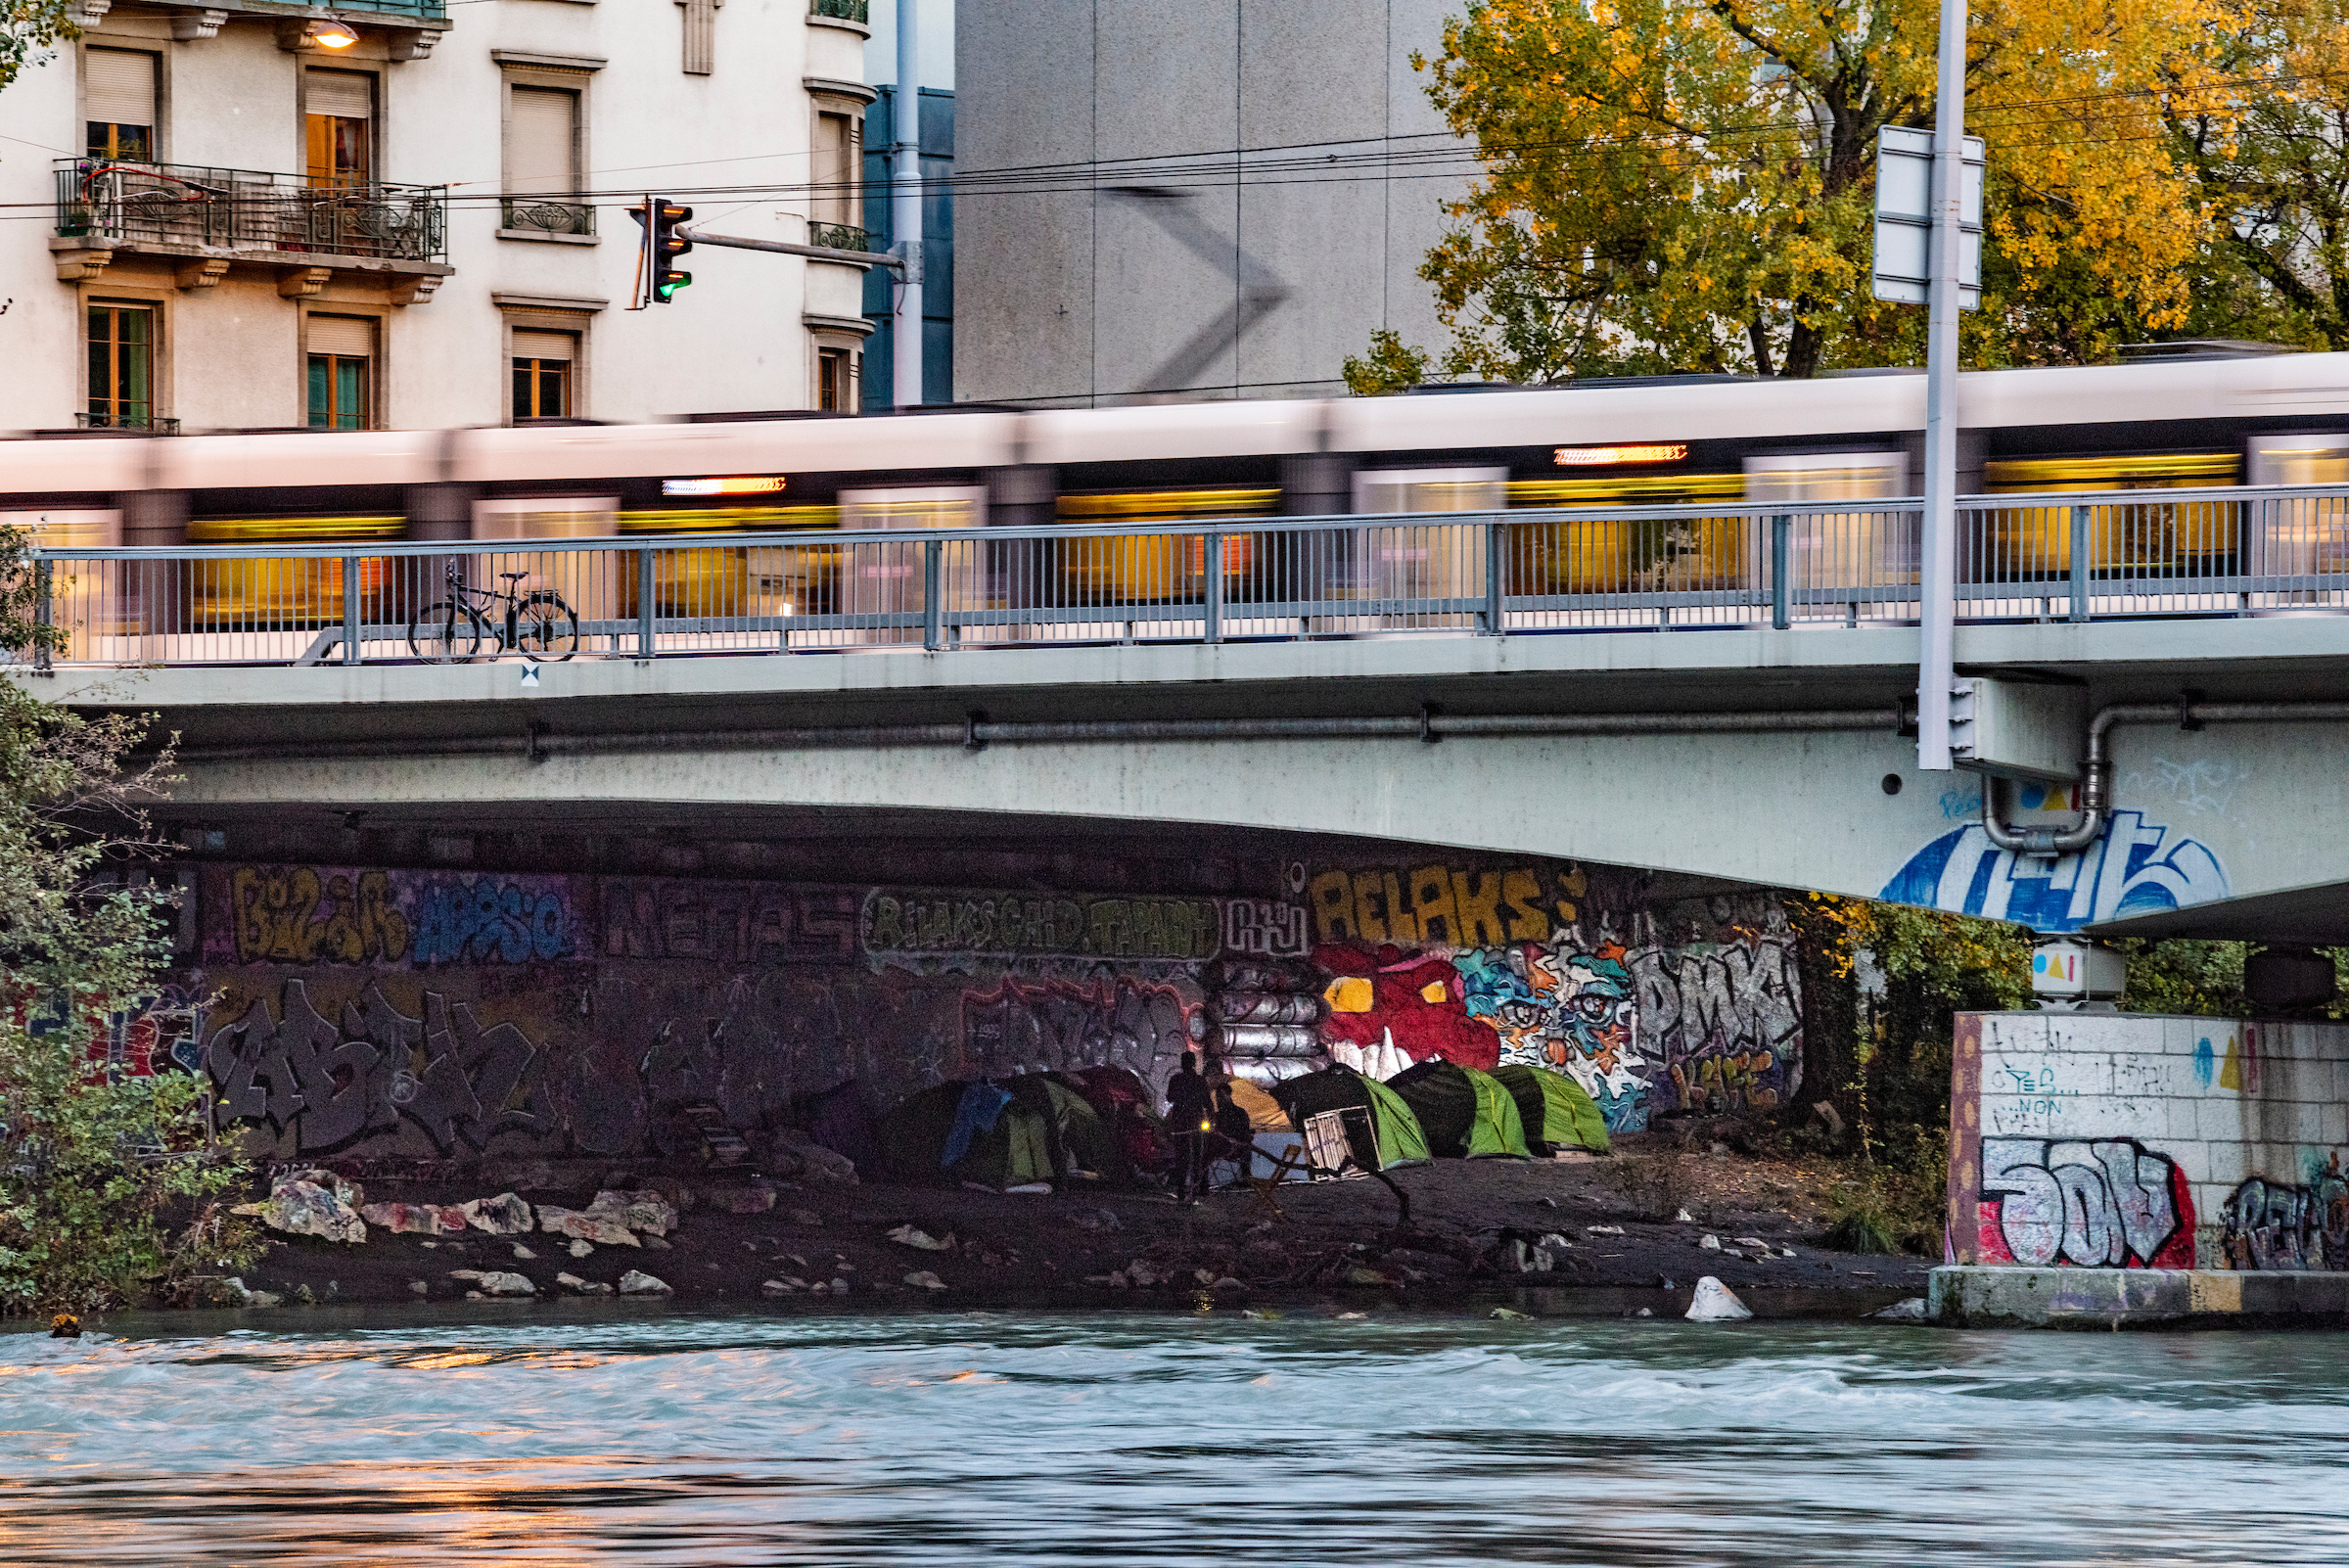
x: 1496, y: 584
x: 1213, y: 559
x: 644, y: 603
x: 932, y: 620
x: 1781, y: 552
x: 2079, y: 562
x: 44, y: 610
x: 350, y: 609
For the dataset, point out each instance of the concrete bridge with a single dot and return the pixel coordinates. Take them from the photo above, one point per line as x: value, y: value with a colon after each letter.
x: 1748, y: 729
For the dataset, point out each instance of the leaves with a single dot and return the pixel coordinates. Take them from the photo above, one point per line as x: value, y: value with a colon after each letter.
x: 27, y: 28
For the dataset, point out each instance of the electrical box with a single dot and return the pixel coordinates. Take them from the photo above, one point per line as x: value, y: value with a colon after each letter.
x: 2067, y: 970
x: 2018, y: 729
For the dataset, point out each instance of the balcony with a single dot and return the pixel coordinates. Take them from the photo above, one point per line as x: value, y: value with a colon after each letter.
x: 842, y: 10
x: 147, y: 422
x: 535, y: 215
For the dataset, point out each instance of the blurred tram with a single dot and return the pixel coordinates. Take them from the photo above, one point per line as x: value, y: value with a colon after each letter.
x: 2200, y: 423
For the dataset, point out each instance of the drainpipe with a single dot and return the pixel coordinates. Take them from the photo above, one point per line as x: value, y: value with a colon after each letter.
x: 2188, y: 711
x: 906, y: 205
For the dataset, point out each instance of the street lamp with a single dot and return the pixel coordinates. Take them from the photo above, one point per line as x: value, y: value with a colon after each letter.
x: 331, y: 32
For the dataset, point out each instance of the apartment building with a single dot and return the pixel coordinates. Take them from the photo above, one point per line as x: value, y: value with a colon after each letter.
x: 414, y: 213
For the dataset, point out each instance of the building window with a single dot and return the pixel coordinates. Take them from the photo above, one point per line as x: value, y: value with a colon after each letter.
x: 342, y: 356
x: 835, y: 380
x: 121, y: 340
x: 839, y: 169
x: 337, y: 123
x: 542, y: 161
x: 119, y: 88
x: 542, y: 362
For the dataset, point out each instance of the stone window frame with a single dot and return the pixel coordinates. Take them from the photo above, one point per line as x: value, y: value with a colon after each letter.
x: 547, y: 313
x: 572, y: 73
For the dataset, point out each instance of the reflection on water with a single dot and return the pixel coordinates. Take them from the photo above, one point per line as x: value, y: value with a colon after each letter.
x: 1142, y: 1441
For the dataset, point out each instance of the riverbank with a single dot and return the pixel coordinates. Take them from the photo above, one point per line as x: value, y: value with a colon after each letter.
x: 1586, y: 1236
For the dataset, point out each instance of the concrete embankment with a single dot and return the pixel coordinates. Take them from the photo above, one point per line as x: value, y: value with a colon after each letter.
x: 1976, y: 1296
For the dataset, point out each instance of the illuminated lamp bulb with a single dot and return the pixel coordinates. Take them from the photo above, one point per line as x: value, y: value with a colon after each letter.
x: 332, y: 33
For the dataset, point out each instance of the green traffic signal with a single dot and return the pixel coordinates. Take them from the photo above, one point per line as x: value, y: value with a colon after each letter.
x: 666, y: 289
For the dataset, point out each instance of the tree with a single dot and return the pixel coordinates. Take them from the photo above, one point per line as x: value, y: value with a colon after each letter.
x: 1688, y: 185
x: 27, y: 28
x: 96, y: 1160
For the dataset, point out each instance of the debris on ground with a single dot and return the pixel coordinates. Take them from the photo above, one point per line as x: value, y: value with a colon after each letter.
x: 1716, y: 1302
x: 636, y: 1283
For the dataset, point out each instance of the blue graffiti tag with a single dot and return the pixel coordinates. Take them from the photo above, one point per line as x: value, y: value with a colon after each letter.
x: 488, y: 921
x: 2135, y: 867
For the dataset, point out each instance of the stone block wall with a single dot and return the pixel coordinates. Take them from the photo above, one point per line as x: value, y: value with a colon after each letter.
x: 2122, y: 1140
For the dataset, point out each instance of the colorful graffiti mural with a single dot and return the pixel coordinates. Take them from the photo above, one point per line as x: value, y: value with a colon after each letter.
x: 308, y: 914
x: 2093, y: 1204
x: 2290, y: 1225
x: 931, y: 923
x: 1060, y: 1025
x: 727, y: 922
x: 2136, y: 867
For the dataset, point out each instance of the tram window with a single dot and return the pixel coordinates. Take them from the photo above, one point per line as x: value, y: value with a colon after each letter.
x: 2300, y: 459
x: 1827, y: 476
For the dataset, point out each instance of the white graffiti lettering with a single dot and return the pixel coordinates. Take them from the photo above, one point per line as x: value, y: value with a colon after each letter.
x: 2093, y: 1205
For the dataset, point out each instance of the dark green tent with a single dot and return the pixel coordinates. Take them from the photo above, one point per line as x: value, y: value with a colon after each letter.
x: 913, y: 1132
x: 1464, y: 1113
x: 1557, y: 1112
x: 1341, y: 1087
x: 1046, y: 1127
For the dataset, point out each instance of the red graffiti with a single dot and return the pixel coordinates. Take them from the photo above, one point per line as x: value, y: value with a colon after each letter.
x: 1416, y: 999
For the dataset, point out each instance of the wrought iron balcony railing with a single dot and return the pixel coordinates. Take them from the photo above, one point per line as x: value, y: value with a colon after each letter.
x: 842, y: 10
x: 411, y: 10
x: 841, y: 236
x: 146, y: 422
x: 234, y: 209
x: 536, y: 214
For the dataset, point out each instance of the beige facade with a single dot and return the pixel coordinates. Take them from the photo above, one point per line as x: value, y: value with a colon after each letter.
x: 224, y: 224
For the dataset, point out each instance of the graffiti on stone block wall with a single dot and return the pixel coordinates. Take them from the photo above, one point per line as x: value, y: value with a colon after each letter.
x: 2296, y: 1224
x: 1502, y: 971
x: 2135, y: 867
x: 1264, y: 928
x: 305, y: 915
x: 2091, y: 1204
x: 727, y: 922
x: 1059, y: 1026
x: 924, y: 923
x: 331, y: 1083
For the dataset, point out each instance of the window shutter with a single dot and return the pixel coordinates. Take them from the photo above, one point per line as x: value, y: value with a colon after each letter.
x: 351, y: 335
x: 122, y: 87
x: 540, y: 140
x: 560, y: 346
x: 344, y: 94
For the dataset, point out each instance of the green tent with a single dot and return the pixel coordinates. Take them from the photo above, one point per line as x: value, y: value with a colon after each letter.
x: 1015, y: 1151
x: 1341, y: 1087
x: 1043, y: 1130
x: 1464, y: 1113
x: 1557, y: 1112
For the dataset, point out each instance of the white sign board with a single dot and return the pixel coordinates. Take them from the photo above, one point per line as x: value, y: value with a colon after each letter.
x: 1904, y: 218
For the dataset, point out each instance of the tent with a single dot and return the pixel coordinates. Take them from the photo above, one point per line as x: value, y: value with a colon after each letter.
x: 1464, y: 1112
x: 1265, y: 1114
x: 1557, y: 1112
x: 1340, y: 1087
x: 1127, y: 1111
x: 1029, y: 1128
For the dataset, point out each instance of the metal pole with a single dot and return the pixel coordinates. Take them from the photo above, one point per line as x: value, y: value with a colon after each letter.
x: 906, y: 205
x: 1214, y: 562
x: 2079, y: 562
x: 1782, y: 599
x: 1937, y: 628
x: 350, y: 609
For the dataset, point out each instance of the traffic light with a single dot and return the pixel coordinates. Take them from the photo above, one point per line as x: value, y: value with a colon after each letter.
x: 665, y: 242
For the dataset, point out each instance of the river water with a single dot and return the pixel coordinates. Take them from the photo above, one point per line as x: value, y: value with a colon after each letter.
x: 659, y: 1438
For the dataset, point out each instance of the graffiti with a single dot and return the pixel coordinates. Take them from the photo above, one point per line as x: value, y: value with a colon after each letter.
x: 1264, y: 928
x: 2135, y: 867
x: 1568, y: 1012
x: 1057, y: 1025
x: 1725, y: 1019
x: 486, y: 921
x: 2272, y: 1225
x: 924, y: 923
x: 1440, y: 906
x: 328, y: 1084
x: 2110, y: 1203
x: 727, y: 922
x: 311, y: 914
x: 1958, y: 805
x: 2206, y: 785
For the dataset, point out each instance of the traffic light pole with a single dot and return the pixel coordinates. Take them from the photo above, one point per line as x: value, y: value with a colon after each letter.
x: 1937, y: 577
x: 819, y: 252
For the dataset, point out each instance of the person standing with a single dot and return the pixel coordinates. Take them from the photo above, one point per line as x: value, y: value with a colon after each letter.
x: 1190, y: 1119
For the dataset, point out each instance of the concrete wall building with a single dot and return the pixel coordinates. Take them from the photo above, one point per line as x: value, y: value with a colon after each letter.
x: 1167, y: 234
x: 229, y: 222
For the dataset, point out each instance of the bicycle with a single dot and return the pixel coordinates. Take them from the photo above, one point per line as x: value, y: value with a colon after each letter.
x: 537, y: 624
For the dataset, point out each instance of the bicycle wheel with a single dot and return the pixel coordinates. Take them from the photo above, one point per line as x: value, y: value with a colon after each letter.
x: 444, y: 632
x: 544, y: 628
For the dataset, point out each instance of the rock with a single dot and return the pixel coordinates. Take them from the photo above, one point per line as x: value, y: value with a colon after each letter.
x: 582, y: 1287
x: 807, y: 1218
x: 1357, y: 1274
x: 815, y: 1162
x: 741, y: 1200
x: 1545, y: 1203
x: 223, y: 1291
x: 924, y: 1279
x: 1714, y: 1303
x: 1752, y: 1241
x: 1683, y: 1217
x: 315, y: 1203
x: 921, y: 1240
x: 263, y: 1297
x: 522, y: 1253
x: 1225, y: 1285
x: 1602, y: 1230
x: 505, y: 1214
x: 1097, y: 1222
x: 417, y: 1287
x: 1118, y: 1280
x: 840, y: 1287
x: 415, y: 1219
x: 1507, y: 1313
x: 497, y: 1282
x: 1718, y: 1147
x: 645, y: 1211
x: 1140, y: 1272
x: 1358, y: 1316
x: 586, y: 1226
x: 474, y: 1295
x: 1786, y: 1252
x: 791, y: 1286
x: 636, y: 1283
x: 1644, y: 1311
x: 469, y: 1274
x: 1710, y: 1242
x: 1912, y: 1311
x: 580, y: 1248
x: 656, y: 1243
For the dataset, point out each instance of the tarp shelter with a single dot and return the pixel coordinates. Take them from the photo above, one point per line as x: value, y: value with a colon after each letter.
x: 1464, y: 1113
x: 1123, y: 1103
x: 1334, y: 1088
x: 1265, y: 1114
x: 1006, y: 1133
x: 1558, y: 1113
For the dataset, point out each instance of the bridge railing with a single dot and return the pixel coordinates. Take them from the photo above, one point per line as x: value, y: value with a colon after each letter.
x: 2076, y: 557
